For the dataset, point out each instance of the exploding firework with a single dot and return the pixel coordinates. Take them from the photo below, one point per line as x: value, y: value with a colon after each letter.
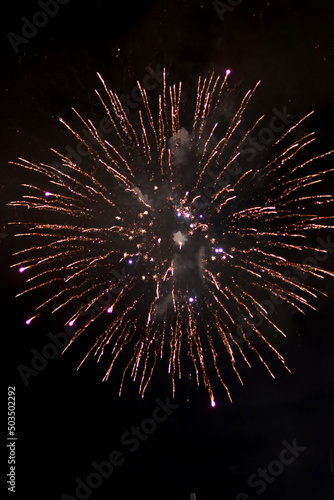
x: 172, y: 253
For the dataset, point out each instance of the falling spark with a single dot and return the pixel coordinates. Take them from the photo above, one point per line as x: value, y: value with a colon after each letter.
x: 127, y: 233
x: 28, y: 321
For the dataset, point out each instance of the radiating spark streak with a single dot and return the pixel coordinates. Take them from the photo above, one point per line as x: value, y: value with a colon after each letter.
x: 222, y: 307
x: 294, y: 127
x: 208, y: 140
x: 75, y: 296
x: 229, y: 350
x: 262, y: 311
x: 148, y: 112
x: 196, y: 340
x: 213, y: 280
x: 294, y: 284
x: 114, y: 171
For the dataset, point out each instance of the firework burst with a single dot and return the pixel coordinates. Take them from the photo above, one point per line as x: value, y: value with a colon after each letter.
x: 170, y: 272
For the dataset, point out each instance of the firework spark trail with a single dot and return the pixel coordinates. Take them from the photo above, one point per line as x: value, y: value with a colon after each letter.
x: 191, y: 273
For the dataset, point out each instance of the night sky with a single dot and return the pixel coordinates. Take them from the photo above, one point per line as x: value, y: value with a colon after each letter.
x: 68, y: 422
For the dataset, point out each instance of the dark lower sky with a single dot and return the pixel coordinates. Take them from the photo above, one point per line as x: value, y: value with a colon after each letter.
x: 76, y: 438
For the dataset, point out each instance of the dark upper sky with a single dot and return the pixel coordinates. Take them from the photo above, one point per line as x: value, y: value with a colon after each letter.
x: 66, y: 420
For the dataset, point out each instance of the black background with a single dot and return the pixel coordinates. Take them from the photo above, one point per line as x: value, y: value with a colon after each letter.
x: 66, y: 419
